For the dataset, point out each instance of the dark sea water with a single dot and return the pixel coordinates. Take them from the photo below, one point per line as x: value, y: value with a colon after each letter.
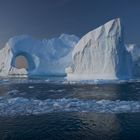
x: 54, y: 109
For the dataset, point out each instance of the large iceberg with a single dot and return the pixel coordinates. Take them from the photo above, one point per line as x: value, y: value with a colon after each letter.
x: 102, y: 54
x: 44, y: 57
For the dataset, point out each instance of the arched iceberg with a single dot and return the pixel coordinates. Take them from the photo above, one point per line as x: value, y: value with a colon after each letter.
x: 45, y: 57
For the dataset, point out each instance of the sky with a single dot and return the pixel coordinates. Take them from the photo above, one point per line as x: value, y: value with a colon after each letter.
x: 50, y: 18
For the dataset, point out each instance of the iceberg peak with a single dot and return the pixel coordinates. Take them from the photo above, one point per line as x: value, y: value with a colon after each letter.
x: 101, y: 54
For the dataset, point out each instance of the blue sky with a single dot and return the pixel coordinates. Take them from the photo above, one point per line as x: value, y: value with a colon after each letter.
x: 50, y: 18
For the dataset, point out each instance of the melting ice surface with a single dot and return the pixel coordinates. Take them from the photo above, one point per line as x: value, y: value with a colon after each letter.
x: 41, y: 96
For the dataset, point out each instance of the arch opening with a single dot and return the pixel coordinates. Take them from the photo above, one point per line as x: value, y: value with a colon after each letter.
x: 23, y: 60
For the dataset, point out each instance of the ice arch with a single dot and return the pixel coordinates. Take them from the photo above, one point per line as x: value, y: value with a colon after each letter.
x: 28, y: 57
x: 44, y: 57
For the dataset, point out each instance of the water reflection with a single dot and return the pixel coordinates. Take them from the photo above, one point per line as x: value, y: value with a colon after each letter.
x: 103, y: 125
x: 84, y: 91
x: 4, y: 89
x: 97, y: 92
x: 61, y: 126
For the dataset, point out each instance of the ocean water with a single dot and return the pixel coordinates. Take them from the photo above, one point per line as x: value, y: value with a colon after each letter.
x: 51, y: 108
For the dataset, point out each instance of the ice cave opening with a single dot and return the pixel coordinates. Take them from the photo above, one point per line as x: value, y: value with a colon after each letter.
x: 23, y: 60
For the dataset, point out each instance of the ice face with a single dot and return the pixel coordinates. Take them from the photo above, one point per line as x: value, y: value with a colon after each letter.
x: 45, y: 57
x: 101, y: 54
x: 134, y: 50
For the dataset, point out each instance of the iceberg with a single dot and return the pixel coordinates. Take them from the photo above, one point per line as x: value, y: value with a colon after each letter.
x: 44, y: 57
x: 102, y: 54
x: 134, y: 50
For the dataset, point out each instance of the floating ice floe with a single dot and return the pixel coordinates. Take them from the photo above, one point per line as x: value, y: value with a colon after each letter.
x: 23, y: 106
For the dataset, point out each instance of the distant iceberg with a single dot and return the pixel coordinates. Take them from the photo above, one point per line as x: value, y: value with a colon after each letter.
x: 45, y: 57
x: 102, y: 54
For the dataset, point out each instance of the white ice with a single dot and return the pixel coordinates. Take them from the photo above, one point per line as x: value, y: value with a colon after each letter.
x: 102, y: 54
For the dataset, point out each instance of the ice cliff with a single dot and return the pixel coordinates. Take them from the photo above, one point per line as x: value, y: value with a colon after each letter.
x: 45, y: 57
x: 102, y: 54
